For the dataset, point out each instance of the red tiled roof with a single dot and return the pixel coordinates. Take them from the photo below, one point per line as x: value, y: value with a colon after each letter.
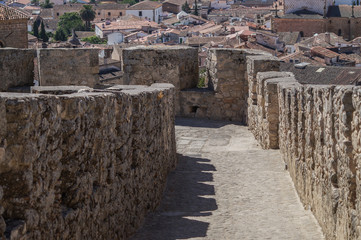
x: 145, y: 5
x: 7, y: 13
x: 324, y: 52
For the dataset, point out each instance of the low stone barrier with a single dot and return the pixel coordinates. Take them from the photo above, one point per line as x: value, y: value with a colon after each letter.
x: 86, y: 165
x: 318, y: 133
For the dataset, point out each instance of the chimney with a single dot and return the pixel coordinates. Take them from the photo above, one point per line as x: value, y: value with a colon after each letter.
x: 328, y: 37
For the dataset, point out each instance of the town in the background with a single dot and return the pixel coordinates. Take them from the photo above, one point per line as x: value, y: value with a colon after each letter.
x: 317, y: 32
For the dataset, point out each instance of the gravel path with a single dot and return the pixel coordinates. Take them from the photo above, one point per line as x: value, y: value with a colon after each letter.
x: 226, y: 187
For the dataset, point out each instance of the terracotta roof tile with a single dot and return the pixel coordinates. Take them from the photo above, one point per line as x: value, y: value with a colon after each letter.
x: 7, y: 13
x: 146, y: 5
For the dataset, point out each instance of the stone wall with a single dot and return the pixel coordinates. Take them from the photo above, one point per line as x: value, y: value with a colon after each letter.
x: 16, y: 68
x: 14, y: 33
x: 63, y: 66
x: 317, y: 128
x: 86, y: 165
x: 226, y: 96
x: 256, y: 64
x: 264, y: 109
x: 153, y: 64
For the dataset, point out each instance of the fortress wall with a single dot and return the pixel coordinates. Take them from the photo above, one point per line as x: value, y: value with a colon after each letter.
x: 226, y: 96
x: 256, y: 64
x: 86, y: 165
x: 68, y: 66
x: 319, y: 138
x: 16, y: 68
x: 152, y: 64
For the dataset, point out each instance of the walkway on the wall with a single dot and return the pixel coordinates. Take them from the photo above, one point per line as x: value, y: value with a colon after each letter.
x: 226, y: 187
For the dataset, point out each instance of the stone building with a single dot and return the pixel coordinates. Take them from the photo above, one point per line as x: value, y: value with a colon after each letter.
x: 13, y: 28
x: 343, y: 20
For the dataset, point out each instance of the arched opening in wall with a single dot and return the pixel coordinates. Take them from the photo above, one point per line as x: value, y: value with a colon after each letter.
x: 302, y: 34
x: 339, y: 33
x: 2, y: 44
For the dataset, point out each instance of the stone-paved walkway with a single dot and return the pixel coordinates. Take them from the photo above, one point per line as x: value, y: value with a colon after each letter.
x: 226, y: 187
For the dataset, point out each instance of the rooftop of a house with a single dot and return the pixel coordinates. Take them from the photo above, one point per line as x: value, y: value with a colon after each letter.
x: 289, y: 38
x: 324, y: 74
x: 324, y: 52
x: 322, y: 40
x: 145, y: 5
x: 128, y: 24
x: 302, y: 57
x: 204, y: 40
x: 8, y: 13
x: 179, y: 2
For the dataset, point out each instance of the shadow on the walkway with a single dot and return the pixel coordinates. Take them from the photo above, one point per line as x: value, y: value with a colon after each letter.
x: 187, y: 195
x: 203, y: 123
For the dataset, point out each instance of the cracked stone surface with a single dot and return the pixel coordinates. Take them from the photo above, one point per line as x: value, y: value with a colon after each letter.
x: 226, y: 187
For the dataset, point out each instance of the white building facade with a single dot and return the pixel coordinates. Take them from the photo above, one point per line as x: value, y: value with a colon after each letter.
x: 147, y: 10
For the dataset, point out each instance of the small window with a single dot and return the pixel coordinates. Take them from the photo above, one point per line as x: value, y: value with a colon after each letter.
x: 301, y: 33
x: 109, y: 14
x: 2, y: 45
x: 140, y: 13
x: 57, y: 14
x: 339, y: 32
x: 98, y: 13
x: 120, y: 14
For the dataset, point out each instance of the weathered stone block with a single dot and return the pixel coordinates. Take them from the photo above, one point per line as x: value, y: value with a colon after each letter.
x: 77, y: 66
x: 16, y: 68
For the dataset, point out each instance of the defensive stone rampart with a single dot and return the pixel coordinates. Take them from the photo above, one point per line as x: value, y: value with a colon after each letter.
x: 317, y: 128
x: 88, y: 164
x: 16, y: 68
x: 147, y: 65
x: 227, y: 94
x: 62, y: 66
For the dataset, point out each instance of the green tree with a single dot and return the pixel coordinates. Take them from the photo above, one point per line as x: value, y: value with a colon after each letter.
x: 43, y: 34
x: 196, y: 8
x: 94, y: 40
x: 69, y: 21
x: 36, y: 29
x: 186, y: 8
x: 88, y: 15
x: 130, y: 2
x: 60, y: 35
x: 35, y: 2
x: 47, y: 4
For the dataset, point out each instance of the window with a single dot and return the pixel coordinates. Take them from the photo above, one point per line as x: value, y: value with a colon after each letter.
x: 98, y: 13
x: 140, y: 13
x: 339, y: 32
x: 120, y: 14
x: 301, y: 33
x: 57, y: 14
x: 2, y: 45
x: 109, y: 13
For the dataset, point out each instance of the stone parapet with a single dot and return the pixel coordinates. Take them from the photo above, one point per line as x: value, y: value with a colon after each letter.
x: 63, y: 66
x: 16, y: 68
x: 86, y: 165
x: 319, y: 138
x: 147, y: 65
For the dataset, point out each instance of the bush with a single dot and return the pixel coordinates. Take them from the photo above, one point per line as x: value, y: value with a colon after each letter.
x: 202, y: 79
x: 94, y: 40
